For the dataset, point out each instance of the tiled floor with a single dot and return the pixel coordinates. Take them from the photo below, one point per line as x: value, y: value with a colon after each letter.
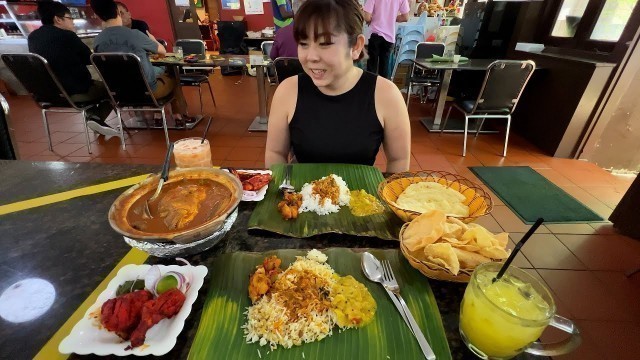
x: 583, y: 264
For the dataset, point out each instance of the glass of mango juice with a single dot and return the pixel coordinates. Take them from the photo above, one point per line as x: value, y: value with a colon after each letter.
x: 503, y: 318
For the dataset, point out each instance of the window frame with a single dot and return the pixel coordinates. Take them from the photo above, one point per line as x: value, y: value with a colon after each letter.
x: 582, y: 41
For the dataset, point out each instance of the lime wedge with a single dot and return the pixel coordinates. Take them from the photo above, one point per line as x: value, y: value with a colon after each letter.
x: 166, y: 283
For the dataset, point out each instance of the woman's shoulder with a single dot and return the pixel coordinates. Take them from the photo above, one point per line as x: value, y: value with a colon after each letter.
x: 289, y: 84
x: 385, y: 86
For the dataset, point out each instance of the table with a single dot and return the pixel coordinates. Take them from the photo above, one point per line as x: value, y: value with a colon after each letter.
x: 71, y: 244
x: 433, y: 123
x: 259, y: 61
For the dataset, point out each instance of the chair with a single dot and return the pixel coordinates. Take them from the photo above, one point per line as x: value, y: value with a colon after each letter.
x: 7, y: 150
x: 127, y: 85
x: 287, y: 67
x: 503, y: 84
x: 200, y: 75
x: 34, y: 73
x: 424, y: 50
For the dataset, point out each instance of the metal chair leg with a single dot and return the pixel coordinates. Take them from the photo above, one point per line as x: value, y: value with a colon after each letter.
x: 211, y: 92
x: 86, y: 130
x: 200, y: 96
x: 466, y: 129
x: 164, y: 125
x: 446, y: 118
x: 124, y: 147
x: 480, y: 126
x: 46, y: 128
x: 506, y: 138
x: 408, y: 94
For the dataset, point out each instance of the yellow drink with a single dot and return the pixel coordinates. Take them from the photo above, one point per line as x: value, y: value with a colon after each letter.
x: 501, y: 319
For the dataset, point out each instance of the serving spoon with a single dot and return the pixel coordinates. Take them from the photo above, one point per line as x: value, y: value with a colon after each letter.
x: 372, y: 269
x: 164, y: 176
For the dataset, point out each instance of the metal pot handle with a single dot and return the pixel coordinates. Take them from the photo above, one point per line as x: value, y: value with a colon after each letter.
x: 562, y: 347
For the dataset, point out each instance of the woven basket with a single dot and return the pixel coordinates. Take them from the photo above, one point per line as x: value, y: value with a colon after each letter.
x: 478, y: 200
x: 430, y: 270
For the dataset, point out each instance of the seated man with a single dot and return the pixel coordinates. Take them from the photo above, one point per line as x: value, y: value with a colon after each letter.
x: 117, y: 38
x: 68, y: 57
x: 131, y: 23
x: 284, y: 45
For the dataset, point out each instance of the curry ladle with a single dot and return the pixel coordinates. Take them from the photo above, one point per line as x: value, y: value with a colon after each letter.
x: 164, y: 176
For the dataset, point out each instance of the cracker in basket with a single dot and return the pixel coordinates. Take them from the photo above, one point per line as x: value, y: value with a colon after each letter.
x: 424, y: 230
x: 469, y: 259
x: 443, y: 254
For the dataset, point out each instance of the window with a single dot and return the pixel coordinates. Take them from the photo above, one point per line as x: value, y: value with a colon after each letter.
x: 612, y: 20
x: 569, y: 17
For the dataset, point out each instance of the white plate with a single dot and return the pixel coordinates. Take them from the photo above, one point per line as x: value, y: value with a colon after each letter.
x: 87, y: 337
x: 254, y: 195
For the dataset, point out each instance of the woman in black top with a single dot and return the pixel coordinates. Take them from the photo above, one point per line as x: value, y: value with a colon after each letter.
x: 334, y: 112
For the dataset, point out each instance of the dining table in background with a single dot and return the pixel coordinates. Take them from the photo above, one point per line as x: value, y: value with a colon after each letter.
x: 71, y: 244
x: 433, y: 123
x: 260, y: 62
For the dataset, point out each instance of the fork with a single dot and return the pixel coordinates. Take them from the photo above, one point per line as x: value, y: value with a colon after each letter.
x: 286, y: 183
x: 390, y: 283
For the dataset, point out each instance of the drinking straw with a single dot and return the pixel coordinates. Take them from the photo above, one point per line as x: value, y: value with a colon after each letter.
x: 206, y: 130
x: 516, y: 250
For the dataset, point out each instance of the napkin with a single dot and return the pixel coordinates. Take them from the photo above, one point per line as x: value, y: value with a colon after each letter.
x: 437, y: 58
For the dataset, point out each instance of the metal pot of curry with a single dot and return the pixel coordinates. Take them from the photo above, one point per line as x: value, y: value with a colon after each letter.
x: 193, y: 204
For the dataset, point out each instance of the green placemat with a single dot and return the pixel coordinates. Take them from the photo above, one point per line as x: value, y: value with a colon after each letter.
x: 530, y: 195
x: 266, y: 216
x: 219, y: 335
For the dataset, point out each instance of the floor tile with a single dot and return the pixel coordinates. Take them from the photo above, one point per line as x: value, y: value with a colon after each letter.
x: 244, y: 153
x: 510, y: 222
x: 570, y: 228
x: 520, y: 260
x: 489, y: 223
x: 604, y: 252
x: 615, y: 339
x: 545, y: 251
x: 63, y: 149
x: 587, y: 296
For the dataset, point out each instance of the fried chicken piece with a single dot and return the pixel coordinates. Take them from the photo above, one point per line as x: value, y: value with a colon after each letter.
x: 122, y: 314
x: 179, y: 206
x: 256, y: 182
x: 164, y: 307
x: 259, y: 284
x: 289, y: 206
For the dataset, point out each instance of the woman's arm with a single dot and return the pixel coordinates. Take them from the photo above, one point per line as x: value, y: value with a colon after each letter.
x: 283, y: 106
x: 394, y: 116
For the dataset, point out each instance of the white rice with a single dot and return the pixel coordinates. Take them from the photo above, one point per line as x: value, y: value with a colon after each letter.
x: 311, y: 202
x: 266, y: 312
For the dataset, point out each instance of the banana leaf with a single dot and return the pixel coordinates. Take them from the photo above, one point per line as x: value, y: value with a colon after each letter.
x: 266, y: 216
x: 220, y: 335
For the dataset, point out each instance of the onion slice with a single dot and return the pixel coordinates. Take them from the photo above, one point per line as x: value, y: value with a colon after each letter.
x: 151, y: 279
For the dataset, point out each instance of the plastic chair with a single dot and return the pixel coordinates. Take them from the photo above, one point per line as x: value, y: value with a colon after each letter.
x: 503, y: 84
x: 287, y: 67
x: 34, y: 73
x: 199, y: 75
x: 127, y: 85
x: 266, y: 47
x: 424, y: 50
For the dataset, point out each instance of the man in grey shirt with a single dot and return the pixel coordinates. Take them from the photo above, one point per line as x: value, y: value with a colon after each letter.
x: 117, y: 38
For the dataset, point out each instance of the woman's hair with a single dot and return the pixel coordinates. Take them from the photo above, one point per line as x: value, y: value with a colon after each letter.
x: 50, y: 9
x: 330, y: 16
x: 105, y: 9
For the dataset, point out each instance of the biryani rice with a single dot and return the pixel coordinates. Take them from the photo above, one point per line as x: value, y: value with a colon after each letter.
x: 313, y: 202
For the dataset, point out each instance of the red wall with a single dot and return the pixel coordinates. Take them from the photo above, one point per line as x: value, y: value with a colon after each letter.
x: 254, y: 22
x: 156, y: 14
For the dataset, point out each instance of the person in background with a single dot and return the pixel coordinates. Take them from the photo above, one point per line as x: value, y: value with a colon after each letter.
x: 282, y: 13
x: 284, y: 44
x: 335, y: 112
x: 382, y: 15
x: 68, y: 57
x: 117, y: 38
x: 131, y: 23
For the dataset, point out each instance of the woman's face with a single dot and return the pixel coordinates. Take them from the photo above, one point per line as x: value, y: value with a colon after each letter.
x: 327, y: 59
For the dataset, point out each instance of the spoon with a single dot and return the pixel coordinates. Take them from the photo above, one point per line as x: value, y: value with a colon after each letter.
x: 373, y: 271
x: 164, y: 176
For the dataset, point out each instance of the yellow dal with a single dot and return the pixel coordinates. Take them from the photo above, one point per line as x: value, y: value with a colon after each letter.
x: 352, y: 303
x: 363, y: 204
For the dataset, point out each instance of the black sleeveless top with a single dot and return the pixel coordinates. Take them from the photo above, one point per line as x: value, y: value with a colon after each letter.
x: 336, y: 129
